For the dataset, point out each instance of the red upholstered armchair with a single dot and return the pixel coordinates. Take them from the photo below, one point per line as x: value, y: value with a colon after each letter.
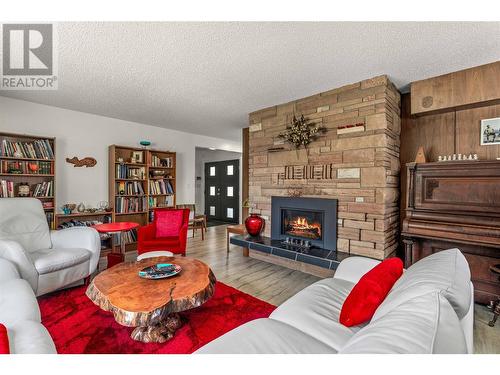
x: 168, y: 231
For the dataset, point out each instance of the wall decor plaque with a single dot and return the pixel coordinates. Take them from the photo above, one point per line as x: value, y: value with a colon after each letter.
x: 87, y: 162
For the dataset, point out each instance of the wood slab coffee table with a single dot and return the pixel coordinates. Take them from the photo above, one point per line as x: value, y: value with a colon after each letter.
x: 152, y: 306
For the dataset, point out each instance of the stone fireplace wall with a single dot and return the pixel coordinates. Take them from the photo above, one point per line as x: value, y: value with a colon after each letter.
x: 356, y: 161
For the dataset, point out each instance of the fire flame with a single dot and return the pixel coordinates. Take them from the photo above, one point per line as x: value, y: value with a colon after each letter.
x: 301, y: 223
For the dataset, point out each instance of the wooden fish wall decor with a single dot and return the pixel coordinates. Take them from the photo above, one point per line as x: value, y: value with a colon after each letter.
x: 87, y: 162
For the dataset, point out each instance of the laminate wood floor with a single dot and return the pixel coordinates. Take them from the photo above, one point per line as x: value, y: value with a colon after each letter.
x: 275, y: 284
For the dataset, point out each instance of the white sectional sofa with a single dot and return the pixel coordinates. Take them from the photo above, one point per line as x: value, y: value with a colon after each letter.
x: 19, y: 312
x: 429, y: 310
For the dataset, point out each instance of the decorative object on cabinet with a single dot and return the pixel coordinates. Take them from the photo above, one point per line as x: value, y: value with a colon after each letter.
x: 69, y: 207
x: 490, y: 131
x: 254, y: 225
x: 420, y: 158
x: 80, y: 208
x: 33, y: 167
x: 145, y: 143
x: 458, y: 157
x: 137, y: 157
x: 157, y: 173
x: 23, y: 190
x: 29, y: 159
x: 455, y: 205
x: 135, y: 189
x: 301, y: 133
x: 104, y: 206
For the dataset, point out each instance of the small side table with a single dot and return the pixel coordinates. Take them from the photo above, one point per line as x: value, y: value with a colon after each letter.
x: 236, y: 229
x: 116, y: 228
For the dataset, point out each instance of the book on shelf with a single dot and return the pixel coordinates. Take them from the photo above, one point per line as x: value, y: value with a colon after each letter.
x: 127, y: 237
x: 130, y: 205
x: 129, y: 188
x: 43, y: 189
x: 162, y: 162
x: 157, y: 187
x: 39, y: 149
x: 6, y: 189
x: 126, y: 171
x: 40, y: 190
x: 48, y: 204
x: 168, y: 201
x: 27, y: 167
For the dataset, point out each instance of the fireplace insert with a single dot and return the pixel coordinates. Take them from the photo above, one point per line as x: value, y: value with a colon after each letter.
x: 302, y: 223
x: 309, y: 222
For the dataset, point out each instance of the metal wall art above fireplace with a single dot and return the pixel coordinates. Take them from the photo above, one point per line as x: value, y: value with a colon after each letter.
x: 309, y: 222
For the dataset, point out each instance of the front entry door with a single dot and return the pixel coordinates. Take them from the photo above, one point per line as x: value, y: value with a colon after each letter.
x: 222, y: 187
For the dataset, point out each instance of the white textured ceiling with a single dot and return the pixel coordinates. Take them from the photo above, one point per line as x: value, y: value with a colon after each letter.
x: 205, y: 78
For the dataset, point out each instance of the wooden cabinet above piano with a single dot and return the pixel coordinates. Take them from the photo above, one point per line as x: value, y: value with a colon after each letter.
x: 456, y: 204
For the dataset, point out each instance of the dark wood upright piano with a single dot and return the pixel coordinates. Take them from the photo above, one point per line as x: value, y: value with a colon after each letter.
x: 456, y: 204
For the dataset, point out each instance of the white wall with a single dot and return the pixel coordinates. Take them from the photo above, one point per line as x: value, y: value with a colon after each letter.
x: 82, y: 134
x: 205, y: 155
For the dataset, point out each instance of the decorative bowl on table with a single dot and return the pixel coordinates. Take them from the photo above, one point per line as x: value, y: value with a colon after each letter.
x: 160, y: 271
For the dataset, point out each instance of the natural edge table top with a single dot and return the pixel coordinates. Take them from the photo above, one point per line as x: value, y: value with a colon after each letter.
x: 138, y: 302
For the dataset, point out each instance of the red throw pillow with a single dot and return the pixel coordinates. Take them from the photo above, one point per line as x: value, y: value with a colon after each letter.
x: 370, y: 292
x: 168, y: 223
x: 4, y: 340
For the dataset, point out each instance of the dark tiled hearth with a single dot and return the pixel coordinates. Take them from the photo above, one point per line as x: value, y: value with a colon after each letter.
x: 315, y: 256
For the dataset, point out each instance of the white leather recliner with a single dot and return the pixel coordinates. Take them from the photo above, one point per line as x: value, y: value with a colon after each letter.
x: 48, y: 260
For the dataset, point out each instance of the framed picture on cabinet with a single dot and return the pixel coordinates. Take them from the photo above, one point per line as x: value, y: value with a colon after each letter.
x: 137, y: 157
x: 490, y: 131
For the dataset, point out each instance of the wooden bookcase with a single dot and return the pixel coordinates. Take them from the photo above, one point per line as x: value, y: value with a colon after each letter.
x: 18, y: 168
x: 135, y: 181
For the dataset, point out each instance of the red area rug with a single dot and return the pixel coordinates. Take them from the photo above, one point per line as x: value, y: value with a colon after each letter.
x: 78, y: 326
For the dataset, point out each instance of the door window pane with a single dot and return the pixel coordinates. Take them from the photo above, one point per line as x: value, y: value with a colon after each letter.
x: 212, y: 171
x: 230, y: 192
x: 212, y: 210
x: 230, y: 170
x: 230, y: 213
x: 212, y: 191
